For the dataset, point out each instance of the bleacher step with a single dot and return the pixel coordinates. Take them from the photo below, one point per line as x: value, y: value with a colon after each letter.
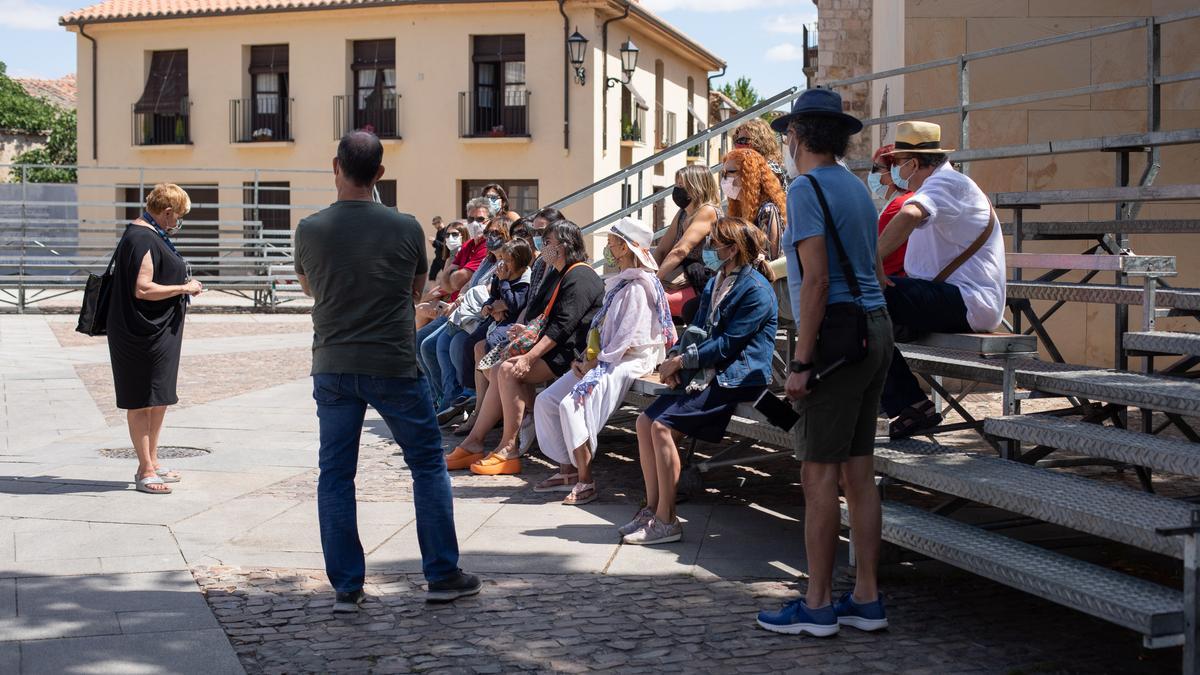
x: 1163, y: 342
x: 1109, y: 511
x: 1131, y: 602
x: 1186, y: 299
x: 1164, y: 394
x: 1121, y: 445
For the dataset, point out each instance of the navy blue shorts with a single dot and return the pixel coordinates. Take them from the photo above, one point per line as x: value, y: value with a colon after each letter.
x: 704, y: 415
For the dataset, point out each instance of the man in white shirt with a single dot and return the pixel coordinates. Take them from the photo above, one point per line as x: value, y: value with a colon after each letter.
x: 954, y: 265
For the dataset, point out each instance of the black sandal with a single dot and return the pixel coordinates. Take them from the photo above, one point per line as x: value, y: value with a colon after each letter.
x: 914, y: 420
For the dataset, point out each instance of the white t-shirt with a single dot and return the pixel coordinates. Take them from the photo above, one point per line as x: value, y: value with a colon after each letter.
x: 958, y: 213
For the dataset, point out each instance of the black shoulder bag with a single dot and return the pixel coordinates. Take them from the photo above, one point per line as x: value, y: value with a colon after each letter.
x: 842, y: 337
x: 93, y: 314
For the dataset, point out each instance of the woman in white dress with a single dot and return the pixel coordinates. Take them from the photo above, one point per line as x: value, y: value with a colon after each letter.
x: 630, y: 335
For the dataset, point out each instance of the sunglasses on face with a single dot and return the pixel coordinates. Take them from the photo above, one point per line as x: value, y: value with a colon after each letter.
x: 728, y: 173
x: 476, y: 219
x: 879, y: 168
x: 741, y: 142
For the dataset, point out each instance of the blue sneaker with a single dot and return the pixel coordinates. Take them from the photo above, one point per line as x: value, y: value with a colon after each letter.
x: 868, y: 617
x: 797, y: 619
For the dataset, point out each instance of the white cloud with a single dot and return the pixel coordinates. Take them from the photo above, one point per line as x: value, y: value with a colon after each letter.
x: 712, y: 5
x: 785, y: 52
x: 26, y: 15
x: 791, y: 24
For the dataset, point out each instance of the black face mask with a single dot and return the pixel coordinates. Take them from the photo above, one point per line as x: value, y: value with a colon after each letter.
x: 680, y: 197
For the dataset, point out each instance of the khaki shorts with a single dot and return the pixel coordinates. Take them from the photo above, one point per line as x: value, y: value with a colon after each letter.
x: 837, y: 419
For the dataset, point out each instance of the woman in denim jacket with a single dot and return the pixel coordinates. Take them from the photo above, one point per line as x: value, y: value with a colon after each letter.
x: 731, y: 365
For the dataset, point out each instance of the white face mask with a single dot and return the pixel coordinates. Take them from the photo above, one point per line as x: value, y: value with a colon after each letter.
x: 453, y: 242
x: 476, y: 229
x: 789, y: 162
x: 729, y: 188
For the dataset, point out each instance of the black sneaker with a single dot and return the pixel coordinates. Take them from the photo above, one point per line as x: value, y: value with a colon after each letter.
x: 455, y: 412
x: 348, y: 603
x: 458, y: 586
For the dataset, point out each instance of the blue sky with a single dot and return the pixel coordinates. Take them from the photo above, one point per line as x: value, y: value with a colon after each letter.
x: 758, y: 38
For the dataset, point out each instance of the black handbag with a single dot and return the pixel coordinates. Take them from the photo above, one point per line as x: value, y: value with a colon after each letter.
x: 93, y: 314
x: 842, y: 337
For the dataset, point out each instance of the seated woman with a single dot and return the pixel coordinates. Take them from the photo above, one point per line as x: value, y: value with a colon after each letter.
x: 453, y: 237
x: 628, y: 338
x: 562, y: 312
x: 680, y: 267
x: 736, y: 325
x: 754, y: 194
x: 499, y: 199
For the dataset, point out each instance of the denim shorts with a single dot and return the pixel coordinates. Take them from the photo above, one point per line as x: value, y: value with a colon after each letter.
x: 837, y: 418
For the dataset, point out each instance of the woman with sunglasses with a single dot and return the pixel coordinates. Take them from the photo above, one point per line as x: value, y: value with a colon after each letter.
x: 757, y: 135
x: 753, y: 193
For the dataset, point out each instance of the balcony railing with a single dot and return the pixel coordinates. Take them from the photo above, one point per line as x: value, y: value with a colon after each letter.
x: 173, y: 127
x: 262, y: 119
x: 493, y: 115
x: 377, y: 113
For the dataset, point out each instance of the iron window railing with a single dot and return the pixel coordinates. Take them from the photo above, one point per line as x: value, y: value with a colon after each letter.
x: 378, y: 113
x: 265, y: 118
x: 168, y: 127
x: 494, y: 114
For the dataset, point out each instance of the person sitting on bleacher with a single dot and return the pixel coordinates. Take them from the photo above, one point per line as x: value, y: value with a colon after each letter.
x: 628, y: 338
x: 954, y: 263
x: 725, y: 361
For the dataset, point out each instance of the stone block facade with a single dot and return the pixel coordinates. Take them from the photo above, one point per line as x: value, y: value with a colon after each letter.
x: 843, y: 51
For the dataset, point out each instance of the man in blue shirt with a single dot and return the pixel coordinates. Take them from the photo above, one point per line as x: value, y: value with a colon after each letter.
x: 826, y: 205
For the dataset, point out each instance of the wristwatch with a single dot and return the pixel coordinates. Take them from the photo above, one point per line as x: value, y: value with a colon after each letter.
x: 799, y: 366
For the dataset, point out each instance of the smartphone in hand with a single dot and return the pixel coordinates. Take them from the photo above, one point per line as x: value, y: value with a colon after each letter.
x: 777, y: 411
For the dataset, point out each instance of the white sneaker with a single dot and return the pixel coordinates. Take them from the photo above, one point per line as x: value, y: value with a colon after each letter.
x: 526, y: 435
x: 639, y: 521
x: 656, y: 532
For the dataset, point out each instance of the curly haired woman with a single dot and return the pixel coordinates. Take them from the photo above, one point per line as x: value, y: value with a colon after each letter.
x: 754, y: 194
x: 757, y: 135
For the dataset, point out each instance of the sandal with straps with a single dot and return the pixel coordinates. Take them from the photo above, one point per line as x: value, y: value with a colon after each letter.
x: 582, y: 493
x: 559, y: 482
x: 914, y: 420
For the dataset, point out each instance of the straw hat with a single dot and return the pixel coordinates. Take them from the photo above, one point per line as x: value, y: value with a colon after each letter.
x: 919, y: 137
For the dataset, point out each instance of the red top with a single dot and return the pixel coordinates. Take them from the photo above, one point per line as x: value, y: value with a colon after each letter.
x: 470, y: 257
x: 893, y: 265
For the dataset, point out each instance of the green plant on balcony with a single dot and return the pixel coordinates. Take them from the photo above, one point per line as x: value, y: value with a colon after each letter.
x: 630, y: 131
x: 180, y: 136
x: 695, y: 150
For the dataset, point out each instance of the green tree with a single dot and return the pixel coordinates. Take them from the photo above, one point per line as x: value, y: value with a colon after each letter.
x: 19, y: 111
x: 741, y: 93
x: 60, y: 148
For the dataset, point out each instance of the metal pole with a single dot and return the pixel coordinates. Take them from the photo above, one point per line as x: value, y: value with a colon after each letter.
x: 24, y: 241
x: 964, y: 94
x: 1191, y: 582
x: 1121, y: 312
x: 640, y: 196
x: 1018, y: 235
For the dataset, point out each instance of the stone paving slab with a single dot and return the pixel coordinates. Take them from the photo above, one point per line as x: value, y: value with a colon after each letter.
x: 187, y: 651
x: 55, y: 547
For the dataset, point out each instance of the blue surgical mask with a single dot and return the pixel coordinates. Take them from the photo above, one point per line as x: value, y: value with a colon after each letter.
x: 711, y: 260
x: 875, y: 182
x: 900, y: 183
x: 496, y: 203
x: 537, y: 242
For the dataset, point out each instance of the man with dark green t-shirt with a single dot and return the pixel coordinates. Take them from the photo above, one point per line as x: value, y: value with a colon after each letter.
x: 364, y: 266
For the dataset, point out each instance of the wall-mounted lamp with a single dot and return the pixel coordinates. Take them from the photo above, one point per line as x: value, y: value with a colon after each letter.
x: 629, y: 59
x: 577, y: 44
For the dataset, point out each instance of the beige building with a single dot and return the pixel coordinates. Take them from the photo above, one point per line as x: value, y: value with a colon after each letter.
x: 461, y: 94
x: 856, y: 37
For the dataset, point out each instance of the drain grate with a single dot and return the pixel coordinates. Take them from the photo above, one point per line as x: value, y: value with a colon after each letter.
x: 164, y: 452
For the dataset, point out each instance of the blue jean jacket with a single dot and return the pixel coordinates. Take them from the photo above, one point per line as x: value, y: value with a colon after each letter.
x: 741, y: 339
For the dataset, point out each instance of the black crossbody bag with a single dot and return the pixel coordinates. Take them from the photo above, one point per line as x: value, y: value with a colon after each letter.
x: 842, y: 337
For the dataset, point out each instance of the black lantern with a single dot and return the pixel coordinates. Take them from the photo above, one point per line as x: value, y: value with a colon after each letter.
x: 629, y: 59
x: 576, y: 44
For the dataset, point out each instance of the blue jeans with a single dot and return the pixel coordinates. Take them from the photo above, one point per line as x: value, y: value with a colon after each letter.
x: 407, y: 409
x: 427, y: 355
x: 450, y: 362
x: 918, y: 307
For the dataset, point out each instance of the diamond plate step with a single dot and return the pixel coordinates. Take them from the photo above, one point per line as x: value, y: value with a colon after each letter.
x: 1174, y: 298
x: 746, y: 422
x: 1108, y: 511
x: 1093, y: 440
x: 1164, y: 394
x: 1127, y: 601
x: 966, y: 366
x: 1163, y: 342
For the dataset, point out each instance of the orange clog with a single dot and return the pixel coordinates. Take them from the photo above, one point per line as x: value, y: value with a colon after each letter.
x: 494, y: 465
x: 461, y: 458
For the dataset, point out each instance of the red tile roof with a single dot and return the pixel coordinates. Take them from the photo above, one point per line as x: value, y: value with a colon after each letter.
x: 60, y: 92
x: 125, y: 10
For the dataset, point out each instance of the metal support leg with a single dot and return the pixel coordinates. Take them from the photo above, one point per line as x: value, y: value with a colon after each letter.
x: 1191, y: 590
x: 1012, y: 448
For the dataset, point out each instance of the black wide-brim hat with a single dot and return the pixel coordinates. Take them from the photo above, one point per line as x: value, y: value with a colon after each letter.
x: 817, y: 102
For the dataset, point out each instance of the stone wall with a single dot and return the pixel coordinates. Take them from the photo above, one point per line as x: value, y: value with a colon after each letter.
x: 844, y: 50
x: 14, y: 143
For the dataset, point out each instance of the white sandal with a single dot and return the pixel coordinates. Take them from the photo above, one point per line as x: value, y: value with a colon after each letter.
x: 559, y: 482
x: 165, y: 474
x: 143, y: 485
x: 574, y: 499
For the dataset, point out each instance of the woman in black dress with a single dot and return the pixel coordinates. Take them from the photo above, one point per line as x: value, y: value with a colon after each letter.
x: 150, y: 289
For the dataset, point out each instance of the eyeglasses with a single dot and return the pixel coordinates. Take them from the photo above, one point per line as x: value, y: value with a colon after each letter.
x: 741, y: 142
x: 476, y: 219
x: 726, y: 173
x: 879, y: 168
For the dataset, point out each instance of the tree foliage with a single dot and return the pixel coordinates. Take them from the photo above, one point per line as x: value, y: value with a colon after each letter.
x: 21, y: 112
x: 741, y: 93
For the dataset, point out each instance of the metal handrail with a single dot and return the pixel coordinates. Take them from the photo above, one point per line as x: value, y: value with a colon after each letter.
x: 636, y: 168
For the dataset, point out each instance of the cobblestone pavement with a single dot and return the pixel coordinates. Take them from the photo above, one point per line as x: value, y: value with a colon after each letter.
x: 279, y: 621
